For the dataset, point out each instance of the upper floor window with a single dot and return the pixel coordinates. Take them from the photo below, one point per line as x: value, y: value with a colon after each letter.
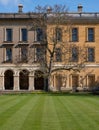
x: 74, y: 34
x: 23, y: 34
x: 24, y: 54
x: 91, y: 54
x: 58, y: 34
x: 39, y: 33
x: 9, y: 35
x: 39, y: 54
x: 90, y: 35
x: 74, y: 57
x: 8, y: 54
x: 58, y: 55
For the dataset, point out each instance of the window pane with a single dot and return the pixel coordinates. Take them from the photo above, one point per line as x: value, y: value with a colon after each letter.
x: 24, y: 52
x: 90, y: 34
x: 58, y: 55
x: 8, y: 54
x: 91, y: 54
x: 75, y: 81
x: 40, y: 54
x: 39, y: 34
x: 91, y: 80
x: 8, y: 34
x: 58, y: 34
x: 24, y: 34
x: 74, y: 34
x: 74, y: 54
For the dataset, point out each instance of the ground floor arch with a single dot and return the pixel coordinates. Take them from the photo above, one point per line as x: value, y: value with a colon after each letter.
x: 39, y: 80
x: 32, y: 79
x: 24, y: 80
x: 8, y: 80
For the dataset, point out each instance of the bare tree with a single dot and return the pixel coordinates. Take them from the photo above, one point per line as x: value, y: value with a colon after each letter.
x: 57, y: 51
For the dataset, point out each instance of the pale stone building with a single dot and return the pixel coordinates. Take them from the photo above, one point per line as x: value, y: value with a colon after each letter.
x: 19, y: 39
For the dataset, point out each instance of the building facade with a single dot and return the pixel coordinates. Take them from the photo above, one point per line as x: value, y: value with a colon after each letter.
x: 21, y: 44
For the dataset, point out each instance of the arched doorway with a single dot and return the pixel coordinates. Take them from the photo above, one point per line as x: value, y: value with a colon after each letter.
x: 24, y: 80
x: 8, y: 80
x: 39, y: 80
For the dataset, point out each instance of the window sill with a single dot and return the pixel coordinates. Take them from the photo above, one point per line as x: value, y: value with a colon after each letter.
x: 39, y: 42
x: 58, y: 61
x: 7, y: 62
x: 7, y: 41
x: 90, y: 62
x: 73, y: 41
x: 23, y: 41
x: 90, y: 41
x: 22, y: 61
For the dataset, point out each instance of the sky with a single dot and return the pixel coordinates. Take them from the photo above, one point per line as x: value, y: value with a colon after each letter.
x: 11, y: 6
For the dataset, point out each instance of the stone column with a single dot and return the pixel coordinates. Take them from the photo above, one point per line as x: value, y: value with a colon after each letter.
x: 81, y: 82
x: 67, y: 83
x: 31, y: 81
x: 16, y: 81
x: 70, y: 80
x: 2, y: 81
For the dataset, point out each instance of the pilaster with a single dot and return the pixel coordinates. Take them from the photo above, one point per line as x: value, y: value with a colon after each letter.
x: 2, y: 81
x: 16, y: 81
x: 31, y: 81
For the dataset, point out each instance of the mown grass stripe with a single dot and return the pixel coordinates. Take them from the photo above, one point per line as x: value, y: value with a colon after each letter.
x: 88, y: 103
x: 34, y: 117
x: 50, y: 120
x: 80, y: 115
x: 12, y: 108
x: 6, y: 105
x: 16, y: 121
x: 67, y: 119
x: 90, y: 108
x: 49, y: 112
x: 5, y: 99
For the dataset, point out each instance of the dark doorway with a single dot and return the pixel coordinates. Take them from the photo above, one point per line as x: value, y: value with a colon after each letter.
x: 39, y: 80
x: 8, y: 80
x: 75, y: 81
x: 91, y: 81
x: 24, y: 80
x: 58, y: 82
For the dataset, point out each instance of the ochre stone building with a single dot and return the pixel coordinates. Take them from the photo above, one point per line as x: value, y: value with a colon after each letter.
x: 20, y: 44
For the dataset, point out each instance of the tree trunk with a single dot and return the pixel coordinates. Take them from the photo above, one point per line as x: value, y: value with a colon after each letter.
x: 49, y: 82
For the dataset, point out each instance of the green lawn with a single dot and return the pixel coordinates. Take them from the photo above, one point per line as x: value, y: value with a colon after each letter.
x: 49, y: 112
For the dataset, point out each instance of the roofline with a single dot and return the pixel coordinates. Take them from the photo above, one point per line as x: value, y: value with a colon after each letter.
x: 32, y: 15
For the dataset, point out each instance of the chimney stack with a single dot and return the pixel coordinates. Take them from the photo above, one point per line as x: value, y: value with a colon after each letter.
x: 80, y: 7
x: 20, y: 6
x: 49, y: 9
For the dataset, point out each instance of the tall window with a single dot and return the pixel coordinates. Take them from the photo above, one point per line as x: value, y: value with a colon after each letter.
x: 90, y: 35
x: 8, y: 54
x: 74, y: 34
x: 91, y: 55
x: 39, y: 32
x: 9, y: 35
x: 91, y: 80
x: 74, y: 54
x: 75, y: 81
x: 58, y: 34
x: 58, y: 55
x: 24, y: 34
x: 24, y: 53
x: 39, y: 56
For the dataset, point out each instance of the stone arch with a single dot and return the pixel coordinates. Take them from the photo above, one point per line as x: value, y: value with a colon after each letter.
x: 8, y: 80
x: 39, y: 80
x: 24, y: 80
